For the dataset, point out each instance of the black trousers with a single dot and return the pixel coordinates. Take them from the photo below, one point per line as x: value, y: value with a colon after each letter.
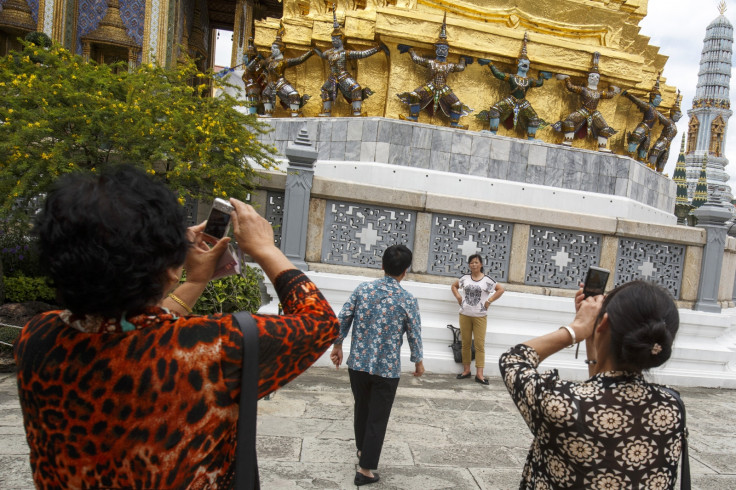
x: 374, y: 397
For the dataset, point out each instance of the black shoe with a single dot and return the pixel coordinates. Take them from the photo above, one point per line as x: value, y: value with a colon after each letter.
x: 462, y: 376
x: 481, y: 381
x: 361, y: 479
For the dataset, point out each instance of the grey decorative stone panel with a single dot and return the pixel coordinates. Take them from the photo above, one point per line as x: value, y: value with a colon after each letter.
x: 658, y: 262
x: 377, y: 139
x: 560, y: 258
x: 454, y: 238
x: 275, y: 214
x: 357, y: 234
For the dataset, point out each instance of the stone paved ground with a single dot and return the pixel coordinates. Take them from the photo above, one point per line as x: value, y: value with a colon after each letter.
x: 443, y: 434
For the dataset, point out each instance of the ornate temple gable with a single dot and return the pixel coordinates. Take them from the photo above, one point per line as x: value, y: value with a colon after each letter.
x: 692, y: 133
x: 717, y: 128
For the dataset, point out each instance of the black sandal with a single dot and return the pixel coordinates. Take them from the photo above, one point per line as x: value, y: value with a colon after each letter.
x: 482, y: 381
x: 462, y: 376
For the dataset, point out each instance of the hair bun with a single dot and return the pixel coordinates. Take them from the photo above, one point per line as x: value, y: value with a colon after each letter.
x: 648, y: 346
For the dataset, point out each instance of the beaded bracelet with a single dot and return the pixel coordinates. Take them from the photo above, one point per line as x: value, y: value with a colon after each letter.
x: 180, y: 302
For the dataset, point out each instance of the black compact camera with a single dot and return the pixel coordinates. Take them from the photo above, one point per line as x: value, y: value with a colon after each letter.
x: 595, y: 281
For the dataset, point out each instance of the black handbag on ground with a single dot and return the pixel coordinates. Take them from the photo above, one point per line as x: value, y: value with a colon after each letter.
x: 457, y: 345
x: 685, y: 465
x: 246, y: 459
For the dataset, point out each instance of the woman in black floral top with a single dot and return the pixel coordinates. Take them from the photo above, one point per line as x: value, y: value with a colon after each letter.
x: 616, y: 430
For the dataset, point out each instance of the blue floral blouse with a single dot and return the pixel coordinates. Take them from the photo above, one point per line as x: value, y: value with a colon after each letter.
x: 380, y: 312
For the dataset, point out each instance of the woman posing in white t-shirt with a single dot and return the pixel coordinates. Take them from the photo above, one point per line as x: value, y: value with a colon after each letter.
x: 479, y: 292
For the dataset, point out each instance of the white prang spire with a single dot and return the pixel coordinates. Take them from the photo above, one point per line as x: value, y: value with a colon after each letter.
x: 711, y: 110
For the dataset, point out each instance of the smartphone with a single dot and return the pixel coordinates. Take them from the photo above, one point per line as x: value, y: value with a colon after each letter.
x: 595, y: 281
x: 218, y: 221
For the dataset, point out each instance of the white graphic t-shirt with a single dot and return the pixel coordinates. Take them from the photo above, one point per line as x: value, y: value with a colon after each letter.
x: 475, y: 294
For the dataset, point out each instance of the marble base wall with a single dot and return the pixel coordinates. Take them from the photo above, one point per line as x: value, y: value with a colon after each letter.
x: 478, y: 154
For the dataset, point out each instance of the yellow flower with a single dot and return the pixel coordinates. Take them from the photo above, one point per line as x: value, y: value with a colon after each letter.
x: 45, y: 156
x: 151, y: 171
x: 181, y: 200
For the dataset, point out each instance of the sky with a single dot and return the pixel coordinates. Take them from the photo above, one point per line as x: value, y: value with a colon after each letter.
x: 678, y: 29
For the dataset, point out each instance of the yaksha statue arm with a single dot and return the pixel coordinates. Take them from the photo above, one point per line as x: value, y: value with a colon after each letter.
x: 612, y: 92
x: 359, y: 55
x: 299, y: 59
x: 496, y: 72
x: 637, y: 101
x: 571, y: 87
x: 419, y: 60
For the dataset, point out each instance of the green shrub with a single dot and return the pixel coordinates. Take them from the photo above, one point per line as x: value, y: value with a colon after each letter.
x: 21, y: 289
x: 19, y: 254
x: 8, y: 336
x: 232, y: 294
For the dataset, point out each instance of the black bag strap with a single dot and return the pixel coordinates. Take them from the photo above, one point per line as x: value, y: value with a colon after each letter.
x: 246, y: 459
x: 685, y: 468
x: 455, y: 334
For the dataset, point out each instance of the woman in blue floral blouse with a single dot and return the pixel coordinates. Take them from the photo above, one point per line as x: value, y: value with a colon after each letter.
x: 615, y: 430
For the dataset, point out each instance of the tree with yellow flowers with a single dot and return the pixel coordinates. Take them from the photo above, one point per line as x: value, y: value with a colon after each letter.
x: 59, y: 114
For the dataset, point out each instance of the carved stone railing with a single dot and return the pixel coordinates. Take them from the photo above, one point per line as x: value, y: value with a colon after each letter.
x: 540, y: 250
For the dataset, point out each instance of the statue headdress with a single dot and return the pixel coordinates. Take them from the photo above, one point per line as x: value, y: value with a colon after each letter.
x: 336, y: 27
x: 676, y: 105
x: 250, y: 50
x: 655, y: 89
x: 443, y: 32
x: 279, y: 35
x: 596, y: 60
x: 522, y: 54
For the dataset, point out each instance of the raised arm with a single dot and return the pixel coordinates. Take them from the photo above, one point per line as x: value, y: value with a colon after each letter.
x: 576, y: 89
x: 419, y: 60
x: 643, y: 106
x: 299, y: 59
x: 612, y: 92
x: 288, y: 343
x: 497, y: 73
x: 358, y: 55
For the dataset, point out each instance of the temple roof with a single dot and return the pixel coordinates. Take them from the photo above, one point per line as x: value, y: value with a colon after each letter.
x: 222, y: 12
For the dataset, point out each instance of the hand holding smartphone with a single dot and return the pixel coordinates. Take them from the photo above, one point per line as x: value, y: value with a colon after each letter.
x: 595, y: 281
x: 218, y: 222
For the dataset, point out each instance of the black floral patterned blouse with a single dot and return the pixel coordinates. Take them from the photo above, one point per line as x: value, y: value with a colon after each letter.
x: 614, y: 431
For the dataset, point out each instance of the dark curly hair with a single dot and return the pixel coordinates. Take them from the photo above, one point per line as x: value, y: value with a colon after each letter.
x: 643, y: 320
x: 107, y: 240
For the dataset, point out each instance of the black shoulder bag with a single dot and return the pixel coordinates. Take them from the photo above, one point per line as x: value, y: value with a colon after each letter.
x: 246, y: 459
x: 685, y: 468
x: 457, y: 345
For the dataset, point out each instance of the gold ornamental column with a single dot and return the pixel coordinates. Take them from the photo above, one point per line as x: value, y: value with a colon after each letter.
x: 155, y: 31
x: 242, y: 30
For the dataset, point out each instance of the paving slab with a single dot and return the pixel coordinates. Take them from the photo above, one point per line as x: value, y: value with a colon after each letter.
x: 443, y: 434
